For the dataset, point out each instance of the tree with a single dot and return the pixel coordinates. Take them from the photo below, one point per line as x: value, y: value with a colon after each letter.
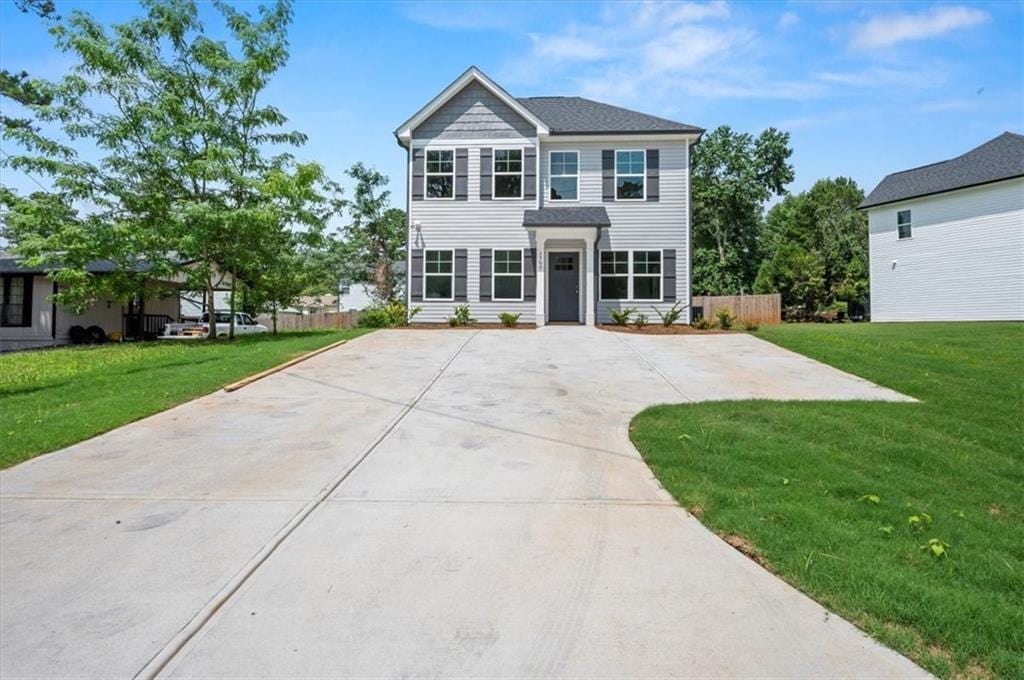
x: 734, y: 175
x: 375, y: 238
x: 184, y: 182
x: 824, y: 224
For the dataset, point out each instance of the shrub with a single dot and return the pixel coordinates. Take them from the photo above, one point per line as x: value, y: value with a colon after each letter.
x: 725, y: 318
x: 640, y: 321
x: 703, y: 324
x: 621, y: 316
x: 508, y: 319
x: 385, y: 316
x: 460, y: 316
x: 750, y: 326
x: 671, y: 315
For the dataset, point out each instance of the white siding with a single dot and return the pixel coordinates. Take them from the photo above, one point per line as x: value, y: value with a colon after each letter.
x: 964, y: 260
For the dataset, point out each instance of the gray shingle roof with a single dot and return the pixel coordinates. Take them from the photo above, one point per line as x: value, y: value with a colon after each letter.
x: 572, y: 216
x: 997, y: 159
x: 10, y: 264
x: 579, y: 116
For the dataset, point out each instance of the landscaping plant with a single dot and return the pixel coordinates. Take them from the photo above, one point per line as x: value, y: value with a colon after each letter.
x: 461, y: 316
x: 640, y: 321
x: 621, y: 316
x: 670, y: 315
x: 508, y: 319
x: 725, y: 318
x: 386, y: 316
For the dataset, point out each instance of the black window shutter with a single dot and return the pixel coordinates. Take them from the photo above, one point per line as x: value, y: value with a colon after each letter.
x: 417, y: 174
x: 530, y: 173
x: 461, y: 174
x: 486, y: 169
x: 668, y: 275
x: 416, y: 280
x: 460, y: 275
x: 653, y: 181
x: 530, y: 274
x: 608, y: 175
x: 485, y: 275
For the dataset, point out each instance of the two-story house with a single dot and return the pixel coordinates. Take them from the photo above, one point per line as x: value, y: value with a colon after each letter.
x: 555, y: 208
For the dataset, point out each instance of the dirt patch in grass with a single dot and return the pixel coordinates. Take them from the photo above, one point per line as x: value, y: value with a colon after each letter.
x: 696, y: 510
x: 747, y: 548
x: 661, y: 329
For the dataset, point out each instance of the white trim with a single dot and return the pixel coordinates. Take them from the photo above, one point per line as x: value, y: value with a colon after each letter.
x: 642, y: 174
x: 495, y: 275
x: 426, y: 174
x: 613, y: 139
x: 404, y: 131
x: 630, y: 275
x: 495, y: 173
x: 479, y: 142
x: 577, y: 176
x: 581, y: 310
x: 425, y: 274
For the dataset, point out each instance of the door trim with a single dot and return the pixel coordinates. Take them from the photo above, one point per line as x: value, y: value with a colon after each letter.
x: 580, y: 297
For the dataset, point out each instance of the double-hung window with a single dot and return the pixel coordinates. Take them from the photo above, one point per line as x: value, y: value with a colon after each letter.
x: 16, y: 301
x: 564, y: 175
x: 508, y: 173
x: 631, y: 275
x: 508, y: 275
x: 630, y: 169
x: 615, y: 275
x: 903, y: 223
x: 440, y: 173
x: 646, y: 274
x: 438, y: 275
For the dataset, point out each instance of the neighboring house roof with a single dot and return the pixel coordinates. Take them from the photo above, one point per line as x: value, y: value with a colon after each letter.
x: 9, y: 264
x: 995, y: 160
x: 579, y: 116
x: 554, y: 115
x: 574, y: 216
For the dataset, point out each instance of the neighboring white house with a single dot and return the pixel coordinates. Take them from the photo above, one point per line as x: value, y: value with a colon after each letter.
x: 354, y: 296
x: 557, y: 208
x: 947, y: 239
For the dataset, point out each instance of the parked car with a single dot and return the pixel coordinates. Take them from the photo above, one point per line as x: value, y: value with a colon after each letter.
x: 244, y: 325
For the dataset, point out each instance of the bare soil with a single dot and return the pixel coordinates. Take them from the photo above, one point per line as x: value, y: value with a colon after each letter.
x: 660, y: 329
x: 499, y: 326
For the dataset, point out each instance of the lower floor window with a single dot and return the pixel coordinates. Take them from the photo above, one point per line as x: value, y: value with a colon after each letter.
x: 15, y: 304
x: 438, y: 274
x: 508, y: 274
x: 631, y: 275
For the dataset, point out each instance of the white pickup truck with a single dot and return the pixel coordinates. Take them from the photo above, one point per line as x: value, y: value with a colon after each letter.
x: 244, y: 324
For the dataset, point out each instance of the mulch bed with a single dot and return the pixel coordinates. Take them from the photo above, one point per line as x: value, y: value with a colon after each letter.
x: 661, y: 329
x: 487, y: 326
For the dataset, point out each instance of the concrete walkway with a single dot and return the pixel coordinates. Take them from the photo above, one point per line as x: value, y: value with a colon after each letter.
x: 413, y: 504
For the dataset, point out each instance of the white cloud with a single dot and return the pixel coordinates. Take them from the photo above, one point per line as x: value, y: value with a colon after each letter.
x: 889, y: 30
x: 787, y: 20
x: 563, y: 48
x: 685, y: 48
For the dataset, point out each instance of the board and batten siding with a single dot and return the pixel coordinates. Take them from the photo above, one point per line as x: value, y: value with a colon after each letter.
x: 474, y: 113
x: 964, y: 260
x: 635, y: 225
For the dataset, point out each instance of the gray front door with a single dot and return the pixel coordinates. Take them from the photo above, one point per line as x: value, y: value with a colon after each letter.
x: 563, y: 287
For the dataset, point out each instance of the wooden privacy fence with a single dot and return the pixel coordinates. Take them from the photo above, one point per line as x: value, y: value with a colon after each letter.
x: 312, y: 321
x: 763, y: 309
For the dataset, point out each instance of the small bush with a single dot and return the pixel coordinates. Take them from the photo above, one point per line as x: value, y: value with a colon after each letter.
x: 508, y: 319
x: 385, y: 316
x: 640, y: 321
x: 750, y: 326
x: 703, y: 324
x: 460, y: 316
x: 621, y: 316
x: 671, y: 315
x: 725, y: 318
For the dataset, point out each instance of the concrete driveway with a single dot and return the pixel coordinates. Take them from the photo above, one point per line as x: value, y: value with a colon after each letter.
x: 413, y: 504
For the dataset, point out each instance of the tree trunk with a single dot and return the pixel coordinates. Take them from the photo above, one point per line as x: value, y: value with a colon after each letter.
x: 211, y: 312
x: 231, y: 322
x: 273, y: 315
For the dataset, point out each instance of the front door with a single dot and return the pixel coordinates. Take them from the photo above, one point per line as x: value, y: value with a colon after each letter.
x: 563, y: 287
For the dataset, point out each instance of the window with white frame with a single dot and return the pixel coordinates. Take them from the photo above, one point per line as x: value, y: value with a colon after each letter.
x: 646, y: 275
x: 508, y: 275
x: 614, y: 274
x: 564, y: 175
x: 440, y: 173
x: 438, y: 274
x: 630, y: 170
x: 903, y: 224
x: 508, y: 173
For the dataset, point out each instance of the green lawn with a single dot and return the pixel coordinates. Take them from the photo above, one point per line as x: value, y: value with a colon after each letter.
x: 53, y: 398
x: 800, y: 482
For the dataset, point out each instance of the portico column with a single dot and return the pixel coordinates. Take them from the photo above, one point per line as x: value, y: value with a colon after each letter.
x: 588, y: 257
x: 541, y: 264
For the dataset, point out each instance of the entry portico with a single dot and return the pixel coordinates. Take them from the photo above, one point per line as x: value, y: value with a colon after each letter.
x: 565, y: 239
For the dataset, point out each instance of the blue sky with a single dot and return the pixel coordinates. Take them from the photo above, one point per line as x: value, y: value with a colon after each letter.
x: 863, y: 88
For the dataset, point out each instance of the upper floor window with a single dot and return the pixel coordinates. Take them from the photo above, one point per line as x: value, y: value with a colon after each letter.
x: 903, y: 223
x: 508, y: 173
x: 508, y: 274
x: 438, y: 274
x: 564, y: 175
x: 440, y: 173
x: 630, y: 169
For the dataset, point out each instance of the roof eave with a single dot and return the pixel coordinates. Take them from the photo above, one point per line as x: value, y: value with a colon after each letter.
x: 865, y: 205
